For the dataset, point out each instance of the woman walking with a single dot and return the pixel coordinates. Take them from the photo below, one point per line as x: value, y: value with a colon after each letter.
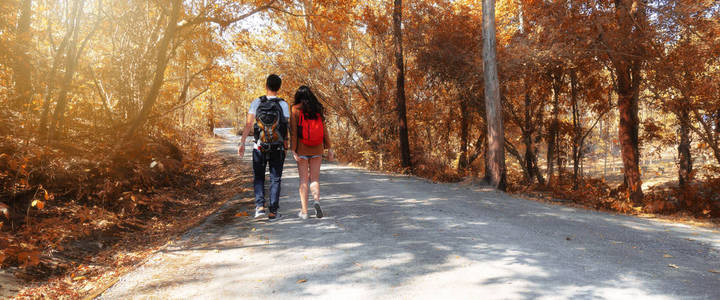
x: 308, y: 139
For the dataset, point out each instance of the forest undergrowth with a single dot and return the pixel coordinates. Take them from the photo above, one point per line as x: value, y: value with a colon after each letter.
x: 74, y: 216
x: 698, y: 203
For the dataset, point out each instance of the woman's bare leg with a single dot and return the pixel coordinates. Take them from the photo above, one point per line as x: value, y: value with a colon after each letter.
x: 315, y: 177
x: 303, y: 171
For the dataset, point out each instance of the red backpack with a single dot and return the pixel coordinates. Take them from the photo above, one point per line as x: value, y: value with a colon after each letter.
x: 311, y: 130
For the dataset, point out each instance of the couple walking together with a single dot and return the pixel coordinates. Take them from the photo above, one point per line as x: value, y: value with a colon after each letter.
x: 277, y: 128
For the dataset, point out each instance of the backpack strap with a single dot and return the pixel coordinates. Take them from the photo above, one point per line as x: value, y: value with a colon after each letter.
x: 280, y: 109
x: 262, y: 99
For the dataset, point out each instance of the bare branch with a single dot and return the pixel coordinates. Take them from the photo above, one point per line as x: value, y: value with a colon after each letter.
x: 223, y: 23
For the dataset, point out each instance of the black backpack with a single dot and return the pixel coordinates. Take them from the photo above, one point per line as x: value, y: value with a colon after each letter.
x: 270, y: 124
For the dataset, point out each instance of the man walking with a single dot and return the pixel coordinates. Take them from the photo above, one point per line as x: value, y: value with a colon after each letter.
x: 268, y: 115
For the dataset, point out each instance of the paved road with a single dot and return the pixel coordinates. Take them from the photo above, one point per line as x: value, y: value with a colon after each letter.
x: 397, y: 237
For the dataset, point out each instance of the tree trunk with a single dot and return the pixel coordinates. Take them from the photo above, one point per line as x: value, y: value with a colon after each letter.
x: 479, y: 148
x: 405, y: 161
x: 527, y: 138
x: 530, y: 158
x: 707, y: 133
x: 607, y: 147
x: 685, y: 171
x: 630, y: 19
x: 211, y: 116
x: 160, y: 65
x: 50, y: 83
x: 21, y: 66
x: 58, y: 115
x: 71, y: 61
x: 495, y: 172
x: 628, y: 135
x: 558, y: 157
x: 577, y: 128
x: 464, y: 124
x: 557, y: 78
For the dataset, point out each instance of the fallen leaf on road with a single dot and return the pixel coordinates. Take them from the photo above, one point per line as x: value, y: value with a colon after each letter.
x: 302, y: 281
x: 242, y: 214
x: 714, y: 271
x: 667, y: 256
x: 79, y: 278
x: 253, y: 229
x: 674, y: 266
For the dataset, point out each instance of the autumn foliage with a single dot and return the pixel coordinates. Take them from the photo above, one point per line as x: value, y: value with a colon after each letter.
x: 613, y: 105
x: 591, y: 92
x: 103, y: 107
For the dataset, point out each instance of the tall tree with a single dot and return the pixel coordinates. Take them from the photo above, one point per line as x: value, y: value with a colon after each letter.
x: 21, y: 65
x: 685, y: 171
x: 400, y: 87
x: 627, y: 54
x: 75, y: 49
x: 164, y: 51
x: 160, y: 65
x: 495, y: 172
x: 557, y: 77
x: 71, y: 48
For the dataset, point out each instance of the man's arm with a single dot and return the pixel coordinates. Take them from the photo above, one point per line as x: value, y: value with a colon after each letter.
x: 248, y: 124
x: 286, y: 142
x: 288, y: 118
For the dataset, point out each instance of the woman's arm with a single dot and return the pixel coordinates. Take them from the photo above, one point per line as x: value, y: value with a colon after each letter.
x: 327, y: 143
x: 293, y: 129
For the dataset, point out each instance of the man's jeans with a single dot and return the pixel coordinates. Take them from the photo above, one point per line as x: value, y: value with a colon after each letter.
x: 275, y: 159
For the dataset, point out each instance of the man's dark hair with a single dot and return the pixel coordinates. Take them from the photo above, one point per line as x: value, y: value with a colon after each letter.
x: 273, y: 83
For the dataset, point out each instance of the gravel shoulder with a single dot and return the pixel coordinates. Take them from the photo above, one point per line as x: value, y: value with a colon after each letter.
x: 390, y: 236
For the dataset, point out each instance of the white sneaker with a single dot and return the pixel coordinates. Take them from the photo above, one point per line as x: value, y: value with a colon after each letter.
x: 303, y: 216
x: 259, y: 212
x: 318, y: 210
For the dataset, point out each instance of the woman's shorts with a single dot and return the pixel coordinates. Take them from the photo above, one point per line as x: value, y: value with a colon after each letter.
x: 308, y: 157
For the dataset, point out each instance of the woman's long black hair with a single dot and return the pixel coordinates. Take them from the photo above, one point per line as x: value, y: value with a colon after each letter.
x: 311, y: 105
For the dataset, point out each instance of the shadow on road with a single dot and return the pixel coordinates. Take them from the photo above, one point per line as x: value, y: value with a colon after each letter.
x: 395, y: 236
